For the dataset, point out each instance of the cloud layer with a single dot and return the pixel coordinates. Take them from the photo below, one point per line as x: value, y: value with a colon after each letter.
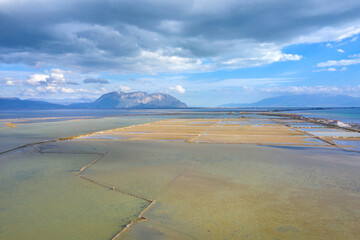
x: 98, y: 80
x: 167, y: 36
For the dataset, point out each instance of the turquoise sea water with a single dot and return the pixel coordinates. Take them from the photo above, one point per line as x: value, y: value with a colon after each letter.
x: 349, y: 115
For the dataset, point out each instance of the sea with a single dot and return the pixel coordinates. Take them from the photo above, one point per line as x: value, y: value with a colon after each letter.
x: 349, y: 115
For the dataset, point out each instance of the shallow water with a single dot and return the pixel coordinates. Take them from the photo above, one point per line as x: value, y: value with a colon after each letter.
x: 36, y: 132
x: 351, y: 145
x: 350, y: 115
x: 314, y: 141
x: 100, y: 136
x: 306, y: 125
x: 202, y: 191
x: 253, y: 192
x: 320, y: 130
x: 41, y: 198
x: 334, y: 133
x: 234, y: 122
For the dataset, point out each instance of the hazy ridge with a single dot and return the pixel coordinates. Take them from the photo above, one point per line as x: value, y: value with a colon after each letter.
x: 306, y: 100
x: 117, y: 99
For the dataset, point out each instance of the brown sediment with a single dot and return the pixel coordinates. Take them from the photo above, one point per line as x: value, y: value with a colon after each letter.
x: 193, y: 139
x: 199, y: 130
x: 9, y: 124
x: 210, y: 131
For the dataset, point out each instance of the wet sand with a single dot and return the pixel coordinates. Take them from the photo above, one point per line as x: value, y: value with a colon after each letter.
x: 236, y: 130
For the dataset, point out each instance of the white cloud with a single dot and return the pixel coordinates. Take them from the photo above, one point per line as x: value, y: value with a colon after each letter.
x: 58, y: 70
x: 81, y: 90
x: 30, y: 92
x: 155, y: 61
x: 9, y: 82
x: 57, y: 89
x: 330, y: 34
x: 343, y: 62
x: 53, y: 78
x: 47, y: 89
x: 355, y: 56
x: 313, y: 89
x: 178, y: 88
x: 241, y: 82
x: 67, y: 90
x: 56, y: 78
x: 340, y: 50
x: 326, y: 70
x: 266, y: 57
x: 124, y: 88
x: 37, y: 79
x: 288, y: 73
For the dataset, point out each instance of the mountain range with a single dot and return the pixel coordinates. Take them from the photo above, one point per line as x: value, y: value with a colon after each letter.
x: 17, y: 103
x: 143, y: 100
x: 305, y: 100
x: 117, y: 99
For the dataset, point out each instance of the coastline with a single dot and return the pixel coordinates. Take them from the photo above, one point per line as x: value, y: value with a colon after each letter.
x: 333, y: 123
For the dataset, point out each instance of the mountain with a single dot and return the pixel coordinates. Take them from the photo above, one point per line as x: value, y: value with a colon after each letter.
x: 65, y: 102
x: 16, y: 103
x: 305, y: 100
x: 109, y: 100
x: 133, y: 100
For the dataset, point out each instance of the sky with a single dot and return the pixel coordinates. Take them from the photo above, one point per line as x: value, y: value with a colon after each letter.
x: 204, y: 52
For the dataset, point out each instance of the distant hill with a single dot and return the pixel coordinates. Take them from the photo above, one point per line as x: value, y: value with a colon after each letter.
x: 306, y: 100
x: 16, y: 103
x: 133, y: 100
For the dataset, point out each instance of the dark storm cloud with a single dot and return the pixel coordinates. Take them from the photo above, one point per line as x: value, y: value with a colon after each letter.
x: 146, y: 35
x: 98, y: 80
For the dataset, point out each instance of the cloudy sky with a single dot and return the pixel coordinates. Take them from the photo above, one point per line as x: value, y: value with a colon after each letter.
x: 204, y: 52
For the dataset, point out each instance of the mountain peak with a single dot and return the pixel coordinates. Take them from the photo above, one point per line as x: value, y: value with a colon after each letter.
x: 139, y: 99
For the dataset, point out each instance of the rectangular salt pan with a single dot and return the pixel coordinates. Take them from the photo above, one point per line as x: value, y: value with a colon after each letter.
x: 335, y: 134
